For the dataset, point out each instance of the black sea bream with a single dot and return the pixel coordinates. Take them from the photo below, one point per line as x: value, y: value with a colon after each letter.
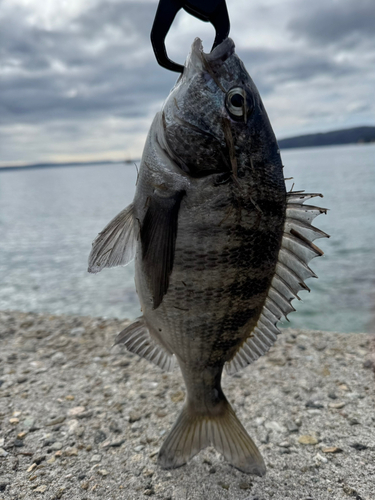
x: 221, y: 249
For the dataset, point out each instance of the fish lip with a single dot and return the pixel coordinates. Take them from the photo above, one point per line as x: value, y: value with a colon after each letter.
x: 219, y: 54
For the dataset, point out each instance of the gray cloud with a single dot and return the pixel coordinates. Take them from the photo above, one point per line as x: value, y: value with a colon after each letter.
x: 62, y: 82
x: 345, y: 22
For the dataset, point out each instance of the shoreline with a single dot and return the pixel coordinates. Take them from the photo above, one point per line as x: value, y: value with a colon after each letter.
x: 80, y: 420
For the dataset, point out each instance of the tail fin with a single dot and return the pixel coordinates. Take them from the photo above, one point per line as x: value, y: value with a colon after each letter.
x: 192, y: 432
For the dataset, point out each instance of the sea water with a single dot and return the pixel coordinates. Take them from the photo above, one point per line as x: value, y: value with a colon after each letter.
x: 49, y: 217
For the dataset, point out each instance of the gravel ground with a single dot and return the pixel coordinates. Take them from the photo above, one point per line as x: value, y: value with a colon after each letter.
x: 80, y: 420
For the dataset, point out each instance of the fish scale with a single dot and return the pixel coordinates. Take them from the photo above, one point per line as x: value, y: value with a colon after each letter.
x: 221, y: 249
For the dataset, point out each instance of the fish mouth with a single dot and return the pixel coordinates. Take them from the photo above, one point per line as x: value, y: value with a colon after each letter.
x: 221, y: 53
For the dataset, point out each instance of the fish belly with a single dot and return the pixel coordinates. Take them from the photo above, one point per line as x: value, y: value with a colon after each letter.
x: 225, y: 257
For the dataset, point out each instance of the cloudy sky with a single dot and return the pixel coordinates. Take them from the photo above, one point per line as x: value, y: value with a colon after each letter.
x: 78, y: 78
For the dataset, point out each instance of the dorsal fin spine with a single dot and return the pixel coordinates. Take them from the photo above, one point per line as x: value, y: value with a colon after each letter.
x: 295, y: 252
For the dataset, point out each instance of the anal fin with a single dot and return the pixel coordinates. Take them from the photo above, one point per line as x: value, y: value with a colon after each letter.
x: 137, y: 339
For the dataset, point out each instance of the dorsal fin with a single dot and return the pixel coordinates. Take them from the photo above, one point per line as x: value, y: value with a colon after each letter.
x: 291, y: 270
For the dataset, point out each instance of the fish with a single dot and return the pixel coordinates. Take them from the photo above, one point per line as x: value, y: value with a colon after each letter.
x: 221, y: 249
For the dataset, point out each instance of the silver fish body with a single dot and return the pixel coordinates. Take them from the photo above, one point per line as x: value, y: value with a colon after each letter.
x: 220, y: 248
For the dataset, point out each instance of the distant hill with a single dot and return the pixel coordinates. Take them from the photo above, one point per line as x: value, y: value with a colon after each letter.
x: 345, y: 136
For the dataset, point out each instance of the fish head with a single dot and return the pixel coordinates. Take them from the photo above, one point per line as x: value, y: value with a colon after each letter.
x: 214, y: 120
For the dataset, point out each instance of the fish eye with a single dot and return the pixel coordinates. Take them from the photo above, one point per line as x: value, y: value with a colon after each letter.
x: 236, y: 103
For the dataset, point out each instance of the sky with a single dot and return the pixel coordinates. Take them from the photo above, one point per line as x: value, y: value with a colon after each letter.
x: 79, y: 81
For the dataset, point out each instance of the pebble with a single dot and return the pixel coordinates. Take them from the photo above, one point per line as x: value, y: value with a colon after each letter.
x: 85, y: 414
x: 139, y: 448
x: 96, y: 458
x: 71, y: 452
x: 307, y: 439
x: 225, y: 486
x: 103, y: 472
x: 149, y: 492
x: 42, y: 488
x: 264, y: 435
x: 359, y: 446
x: 273, y: 426
x: 314, y: 404
x: 69, y: 397
x: 56, y: 446
x: 354, y: 421
x: 21, y: 380
x: 336, y: 406
x: 76, y: 411
x: 28, y: 423
x: 99, y: 437
x: 291, y: 426
x: 55, y: 421
x: 117, y: 443
x: 332, y: 449
x: 3, y: 453
x: 245, y: 486
x: 14, y: 421
x: 58, y: 358
x: 284, y: 444
x: 368, y: 364
x: 178, y: 396
x: 77, y: 332
x: 320, y: 458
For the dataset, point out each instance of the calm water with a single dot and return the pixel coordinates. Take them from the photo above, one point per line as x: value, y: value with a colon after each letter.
x: 48, y: 218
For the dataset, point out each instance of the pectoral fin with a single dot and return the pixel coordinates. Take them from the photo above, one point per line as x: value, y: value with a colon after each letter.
x: 158, y: 237
x: 115, y: 245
